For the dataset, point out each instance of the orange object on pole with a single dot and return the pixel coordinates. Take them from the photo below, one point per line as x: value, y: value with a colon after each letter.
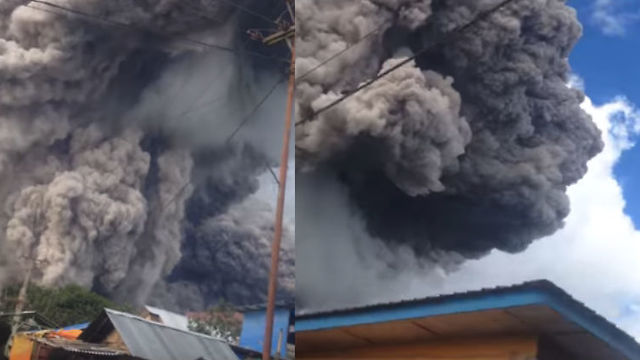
x: 68, y: 334
x: 277, y: 233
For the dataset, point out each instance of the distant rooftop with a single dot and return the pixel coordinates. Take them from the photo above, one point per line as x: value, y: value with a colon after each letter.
x: 170, y: 318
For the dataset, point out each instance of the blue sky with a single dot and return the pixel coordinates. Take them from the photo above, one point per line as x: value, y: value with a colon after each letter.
x: 608, y: 59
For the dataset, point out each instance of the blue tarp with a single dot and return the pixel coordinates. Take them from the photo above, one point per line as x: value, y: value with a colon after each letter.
x: 76, y: 327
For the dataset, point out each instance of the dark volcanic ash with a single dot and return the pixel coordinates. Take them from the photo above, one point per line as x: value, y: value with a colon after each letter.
x: 222, y: 251
x: 113, y: 132
x: 468, y: 148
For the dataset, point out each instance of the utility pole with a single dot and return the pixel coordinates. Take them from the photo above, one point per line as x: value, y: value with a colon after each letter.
x: 285, y: 33
x: 22, y: 299
x: 277, y: 233
x: 22, y: 294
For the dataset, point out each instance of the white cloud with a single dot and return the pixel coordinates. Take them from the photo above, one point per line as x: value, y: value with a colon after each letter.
x: 576, y: 82
x: 613, y: 17
x: 596, y: 256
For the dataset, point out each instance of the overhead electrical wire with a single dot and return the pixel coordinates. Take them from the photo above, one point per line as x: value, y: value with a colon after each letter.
x: 441, y: 41
x: 229, y: 138
x: 253, y: 111
x: 337, y: 54
x: 126, y: 26
x: 111, y: 22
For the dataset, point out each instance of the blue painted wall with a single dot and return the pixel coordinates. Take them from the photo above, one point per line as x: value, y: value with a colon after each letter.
x: 253, y: 327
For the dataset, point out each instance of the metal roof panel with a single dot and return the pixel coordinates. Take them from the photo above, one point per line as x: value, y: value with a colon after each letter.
x: 150, y: 340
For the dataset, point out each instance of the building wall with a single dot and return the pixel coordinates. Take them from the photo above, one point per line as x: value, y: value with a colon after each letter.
x: 253, y: 330
x: 510, y: 348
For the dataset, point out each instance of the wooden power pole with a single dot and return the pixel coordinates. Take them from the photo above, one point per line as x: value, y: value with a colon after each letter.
x: 277, y: 233
x: 17, y: 318
x: 286, y: 35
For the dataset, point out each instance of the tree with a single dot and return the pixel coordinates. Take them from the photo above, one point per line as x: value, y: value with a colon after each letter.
x: 68, y: 305
x: 221, y: 321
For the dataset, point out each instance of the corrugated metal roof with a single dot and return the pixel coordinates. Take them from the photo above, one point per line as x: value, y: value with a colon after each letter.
x: 170, y: 318
x: 79, y: 347
x: 541, y: 285
x: 154, y: 341
x: 263, y: 306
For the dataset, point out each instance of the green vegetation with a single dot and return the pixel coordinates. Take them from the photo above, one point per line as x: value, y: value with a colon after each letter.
x: 63, y: 306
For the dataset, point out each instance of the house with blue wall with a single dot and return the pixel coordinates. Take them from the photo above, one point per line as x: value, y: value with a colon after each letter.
x: 254, y: 324
x: 534, y: 320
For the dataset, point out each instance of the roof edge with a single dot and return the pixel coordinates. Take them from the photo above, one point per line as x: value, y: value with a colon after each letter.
x: 444, y: 305
x: 539, y: 292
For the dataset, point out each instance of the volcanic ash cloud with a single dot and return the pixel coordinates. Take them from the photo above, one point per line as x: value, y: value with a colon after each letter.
x: 468, y: 148
x: 101, y: 170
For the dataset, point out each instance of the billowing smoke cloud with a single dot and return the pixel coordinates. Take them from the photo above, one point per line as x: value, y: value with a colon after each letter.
x: 229, y: 254
x: 96, y: 203
x: 227, y: 238
x: 468, y: 148
x: 114, y: 137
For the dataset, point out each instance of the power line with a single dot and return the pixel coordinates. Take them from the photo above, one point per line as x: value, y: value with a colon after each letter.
x: 253, y: 111
x: 144, y: 30
x: 243, y: 122
x: 192, y: 41
x: 191, y: 108
x: 228, y: 140
x: 444, y: 39
x: 337, y: 54
x: 249, y: 116
x: 273, y: 174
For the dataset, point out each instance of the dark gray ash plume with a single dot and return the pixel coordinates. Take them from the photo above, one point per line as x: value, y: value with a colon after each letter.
x: 467, y: 149
x: 228, y: 256
x: 113, y: 137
